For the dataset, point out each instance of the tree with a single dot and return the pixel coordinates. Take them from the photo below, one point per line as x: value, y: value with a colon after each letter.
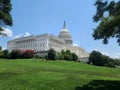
x: 5, y: 54
x: 108, y: 16
x: 15, y: 54
x: 51, y: 54
x: 0, y: 51
x: 67, y: 55
x: 59, y: 56
x: 0, y: 48
x: 74, y: 57
x: 5, y: 16
x: 96, y: 58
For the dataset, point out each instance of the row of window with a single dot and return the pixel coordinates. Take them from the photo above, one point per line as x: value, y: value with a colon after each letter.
x: 29, y: 45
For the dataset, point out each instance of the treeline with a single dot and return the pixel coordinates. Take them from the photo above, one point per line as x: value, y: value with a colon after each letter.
x: 98, y: 59
x: 16, y: 54
x: 63, y: 55
x: 26, y: 54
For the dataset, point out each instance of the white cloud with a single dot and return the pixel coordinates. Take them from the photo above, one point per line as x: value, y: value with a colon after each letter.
x: 22, y: 35
x: 26, y: 34
x: 7, y: 31
x: 75, y: 44
x: 18, y: 36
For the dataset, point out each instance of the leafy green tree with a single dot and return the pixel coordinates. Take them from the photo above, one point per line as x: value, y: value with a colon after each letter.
x: 0, y: 51
x: 67, y: 55
x: 62, y: 52
x: 117, y: 62
x: 5, y: 16
x: 59, y: 56
x: 96, y: 58
x: 74, y: 57
x: 0, y: 48
x: 5, y: 54
x: 15, y: 54
x: 108, y: 16
x: 0, y: 54
x: 51, y: 54
x: 110, y: 64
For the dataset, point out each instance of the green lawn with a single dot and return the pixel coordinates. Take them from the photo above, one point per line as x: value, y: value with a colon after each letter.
x: 56, y: 75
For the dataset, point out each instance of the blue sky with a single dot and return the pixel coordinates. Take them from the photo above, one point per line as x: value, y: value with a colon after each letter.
x: 47, y: 16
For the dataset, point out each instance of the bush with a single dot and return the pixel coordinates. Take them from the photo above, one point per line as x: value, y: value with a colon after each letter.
x: 27, y: 54
x: 15, y: 54
x: 59, y: 56
x: 117, y: 62
x: 74, y: 57
x: 0, y: 54
x: 67, y: 55
x: 110, y: 64
x: 5, y: 54
x: 51, y: 54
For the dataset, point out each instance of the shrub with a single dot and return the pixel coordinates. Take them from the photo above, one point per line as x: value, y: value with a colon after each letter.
x: 0, y: 54
x: 74, y: 57
x: 67, y: 55
x: 15, y: 54
x: 5, y: 54
x: 59, y: 56
x: 51, y: 54
x: 110, y: 64
x: 27, y: 54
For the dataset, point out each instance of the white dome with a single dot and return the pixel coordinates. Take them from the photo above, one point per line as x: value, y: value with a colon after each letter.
x: 65, y: 35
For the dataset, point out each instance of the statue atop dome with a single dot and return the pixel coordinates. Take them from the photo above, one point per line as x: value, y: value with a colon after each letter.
x: 64, y: 25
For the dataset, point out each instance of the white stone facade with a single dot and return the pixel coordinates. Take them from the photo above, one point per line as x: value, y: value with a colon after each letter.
x: 37, y: 43
x: 44, y: 42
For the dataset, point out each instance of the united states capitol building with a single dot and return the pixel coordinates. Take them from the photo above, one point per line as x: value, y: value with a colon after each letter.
x: 42, y: 43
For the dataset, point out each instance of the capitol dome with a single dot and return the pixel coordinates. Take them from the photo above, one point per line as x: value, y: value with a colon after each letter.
x: 65, y: 35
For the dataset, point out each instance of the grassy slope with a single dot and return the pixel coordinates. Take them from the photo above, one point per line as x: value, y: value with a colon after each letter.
x: 58, y: 75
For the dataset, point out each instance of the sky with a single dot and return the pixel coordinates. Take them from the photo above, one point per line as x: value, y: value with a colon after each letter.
x: 34, y: 17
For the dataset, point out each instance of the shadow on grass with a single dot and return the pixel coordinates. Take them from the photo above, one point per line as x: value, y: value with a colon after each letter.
x: 100, y: 85
x: 5, y: 75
